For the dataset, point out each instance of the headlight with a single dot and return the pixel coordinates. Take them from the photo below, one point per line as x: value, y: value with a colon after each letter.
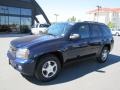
x: 22, y: 53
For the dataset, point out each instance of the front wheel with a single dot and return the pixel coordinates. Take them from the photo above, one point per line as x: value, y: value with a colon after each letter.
x: 48, y: 68
x: 103, y: 56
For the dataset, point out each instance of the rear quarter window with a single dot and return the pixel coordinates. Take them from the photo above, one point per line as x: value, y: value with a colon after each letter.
x: 95, y: 31
x: 106, y: 31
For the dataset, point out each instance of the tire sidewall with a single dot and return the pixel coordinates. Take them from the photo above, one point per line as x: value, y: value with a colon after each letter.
x: 43, y: 60
x: 100, y: 57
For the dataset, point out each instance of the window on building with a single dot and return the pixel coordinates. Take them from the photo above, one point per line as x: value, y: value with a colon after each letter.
x: 14, y: 23
x: 13, y: 10
x: 26, y: 21
x: 25, y: 24
x: 15, y: 18
x: 4, y: 10
x: 4, y: 20
x: 26, y: 12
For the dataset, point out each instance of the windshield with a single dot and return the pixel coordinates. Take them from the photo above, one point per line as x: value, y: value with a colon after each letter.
x: 35, y: 26
x: 59, y: 29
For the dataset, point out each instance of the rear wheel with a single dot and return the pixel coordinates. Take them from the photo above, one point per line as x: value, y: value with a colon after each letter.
x: 48, y: 68
x: 104, y: 55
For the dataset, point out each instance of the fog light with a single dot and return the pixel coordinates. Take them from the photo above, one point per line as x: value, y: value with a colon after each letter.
x: 19, y: 67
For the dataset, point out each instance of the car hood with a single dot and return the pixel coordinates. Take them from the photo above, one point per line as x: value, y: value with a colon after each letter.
x: 31, y: 39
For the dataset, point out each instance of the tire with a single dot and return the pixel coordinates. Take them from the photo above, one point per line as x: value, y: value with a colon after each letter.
x: 103, y: 55
x: 117, y: 34
x: 48, y: 68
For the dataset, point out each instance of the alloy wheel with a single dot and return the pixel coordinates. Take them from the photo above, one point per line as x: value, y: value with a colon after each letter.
x: 49, y: 69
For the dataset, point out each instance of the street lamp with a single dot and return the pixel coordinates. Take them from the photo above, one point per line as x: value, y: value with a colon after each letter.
x: 98, y: 8
x: 56, y: 16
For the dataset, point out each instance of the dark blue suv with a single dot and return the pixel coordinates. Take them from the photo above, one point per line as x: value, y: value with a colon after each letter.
x: 44, y: 55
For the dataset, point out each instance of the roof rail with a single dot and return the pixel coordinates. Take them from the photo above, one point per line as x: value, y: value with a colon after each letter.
x: 90, y: 21
x: 93, y: 22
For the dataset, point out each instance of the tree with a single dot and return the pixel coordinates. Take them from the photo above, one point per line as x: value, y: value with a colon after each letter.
x: 111, y: 25
x: 72, y: 19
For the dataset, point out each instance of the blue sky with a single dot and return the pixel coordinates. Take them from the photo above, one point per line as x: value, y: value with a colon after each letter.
x: 77, y: 8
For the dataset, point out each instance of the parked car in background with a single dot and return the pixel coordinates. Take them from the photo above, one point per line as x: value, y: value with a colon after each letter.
x: 115, y: 32
x: 39, y: 28
x: 43, y: 56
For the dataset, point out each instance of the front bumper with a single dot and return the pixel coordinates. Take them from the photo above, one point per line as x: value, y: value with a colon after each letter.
x: 23, y: 66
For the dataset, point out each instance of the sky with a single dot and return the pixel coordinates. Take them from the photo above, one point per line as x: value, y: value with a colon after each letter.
x: 78, y: 8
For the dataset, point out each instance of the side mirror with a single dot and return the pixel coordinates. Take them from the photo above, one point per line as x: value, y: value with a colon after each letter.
x: 74, y: 36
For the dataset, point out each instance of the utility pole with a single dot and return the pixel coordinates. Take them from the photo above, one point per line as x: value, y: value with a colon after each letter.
x: 98, y: 13
x: 56, y: 17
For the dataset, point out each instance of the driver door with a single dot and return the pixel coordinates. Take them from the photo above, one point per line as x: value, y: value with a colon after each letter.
x: 79, y: 47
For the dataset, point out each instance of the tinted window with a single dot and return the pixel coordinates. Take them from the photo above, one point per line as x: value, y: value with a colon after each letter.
x: 59, y: 29
x: 106, y: 31
x: 84, y: 31
x: 95, y: 31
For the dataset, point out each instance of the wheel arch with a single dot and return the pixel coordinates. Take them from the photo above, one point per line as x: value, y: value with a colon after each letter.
x: 108, y: 46
x: 58, y: 54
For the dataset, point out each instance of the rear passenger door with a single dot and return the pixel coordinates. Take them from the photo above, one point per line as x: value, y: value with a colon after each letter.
x: 84, y: 33
x: 95, y: 38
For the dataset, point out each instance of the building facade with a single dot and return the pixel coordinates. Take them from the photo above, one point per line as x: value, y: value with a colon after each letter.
x: 19, y: 15
x: 106, y: 15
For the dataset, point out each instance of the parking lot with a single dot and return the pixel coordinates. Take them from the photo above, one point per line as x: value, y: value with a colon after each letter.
x: 85, y: 75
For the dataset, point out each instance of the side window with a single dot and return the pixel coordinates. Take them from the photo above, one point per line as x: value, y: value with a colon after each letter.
x: 106, y: 31
x: 37, y: 26
x: 95, y: 31
x: 84, y: 31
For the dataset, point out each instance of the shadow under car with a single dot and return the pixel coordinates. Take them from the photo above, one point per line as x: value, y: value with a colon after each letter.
x: 77, y: 69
